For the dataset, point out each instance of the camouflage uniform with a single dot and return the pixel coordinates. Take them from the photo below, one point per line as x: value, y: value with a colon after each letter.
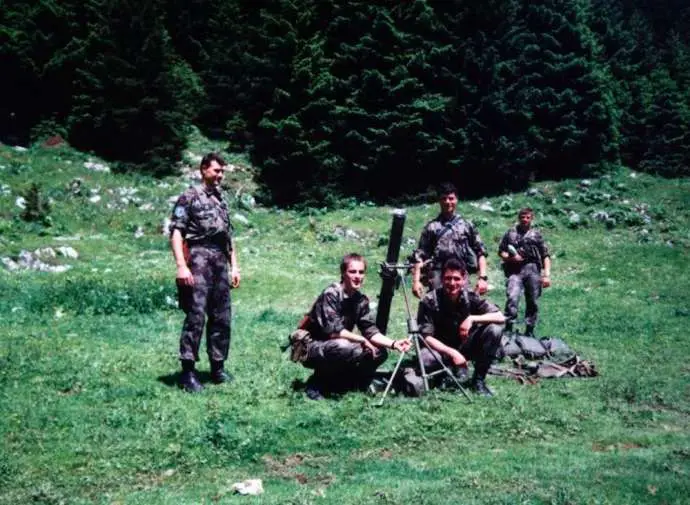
x: 201, y: 215
x: 526, y: 275
x: 440, y: 318
x: 443, y: 239
x: 336, y: 361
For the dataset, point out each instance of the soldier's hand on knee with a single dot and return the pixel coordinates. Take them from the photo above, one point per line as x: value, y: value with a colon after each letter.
x: 402, y: 345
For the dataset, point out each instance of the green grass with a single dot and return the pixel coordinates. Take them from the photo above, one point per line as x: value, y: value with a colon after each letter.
x: 88, y: 359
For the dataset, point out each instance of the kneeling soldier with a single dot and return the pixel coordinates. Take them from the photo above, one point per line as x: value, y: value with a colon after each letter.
x: 341, y: 359
x: 457, y: 324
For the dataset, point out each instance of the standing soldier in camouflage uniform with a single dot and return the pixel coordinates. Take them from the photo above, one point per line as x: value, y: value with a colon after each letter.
x: 445, y: 237
x: 457, y: 324
x: 527, y: 266
x: 200, y: 221
x: 340, y: 358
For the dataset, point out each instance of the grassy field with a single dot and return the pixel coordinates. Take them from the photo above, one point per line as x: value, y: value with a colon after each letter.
x: 88, y: 357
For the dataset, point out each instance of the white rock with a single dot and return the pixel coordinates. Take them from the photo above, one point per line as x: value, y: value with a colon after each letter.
x: 95, y: 198
x: 45, y: 252
x: 67, y: 252
x: 248, y: 487
x: 139, y: 232
x: 20, y: 149
x: 486, y: 206
x: 20, y: 202
x: 240, y: 218
x: 96, y: 167
x: 10, y: 264
x: 147, y: 206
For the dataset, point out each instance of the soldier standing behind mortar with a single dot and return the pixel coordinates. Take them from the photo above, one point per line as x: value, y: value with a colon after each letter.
x: 200, y: 219
x: 527, y: 266
x: 448, y: 236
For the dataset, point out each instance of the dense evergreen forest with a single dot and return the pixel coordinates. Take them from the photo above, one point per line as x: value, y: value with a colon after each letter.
x: 374, y: 99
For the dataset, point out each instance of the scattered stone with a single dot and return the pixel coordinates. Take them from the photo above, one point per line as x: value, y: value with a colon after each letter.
x: 247, y: 201
x: 487, y: 207
x: 29, y: 261
x: 574, y: 219
x: 20, y: 202
x: 45, y: 252
x: 96, y: 167
x: 532, y: 192
x: 10, y: 264
x: 139, y: 232
x: 95, y: 198
x: 340, y: 231
x: 240, y: 218
x: 147, y: 206
x: 600, y: 215
x: 248, y: 487
x: 75, y: 186
x: 20, y: 149
x: 585, y: 183
x: 5, y: 190
x: 67, y: 252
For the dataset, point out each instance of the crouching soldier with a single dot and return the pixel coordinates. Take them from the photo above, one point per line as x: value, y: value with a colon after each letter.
x: 341, y: 359
x: 458, y: 325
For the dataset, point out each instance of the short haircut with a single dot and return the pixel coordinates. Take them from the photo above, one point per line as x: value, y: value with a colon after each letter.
x: 454, y: 264
x: 446, y: 188
x: 349, y: 258
x: 209, y: 158
x: 526, y: 210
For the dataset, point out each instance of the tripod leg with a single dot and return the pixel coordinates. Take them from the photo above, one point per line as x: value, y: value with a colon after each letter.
x: 440, y: 362
x: 390, y: 381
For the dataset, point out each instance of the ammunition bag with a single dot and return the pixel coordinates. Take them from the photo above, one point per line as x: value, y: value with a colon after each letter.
x: 531, y: 347
x: 510, y: 347
x: 556, y: 348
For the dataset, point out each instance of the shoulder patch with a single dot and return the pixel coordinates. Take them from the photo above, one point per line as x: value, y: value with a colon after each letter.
x: 180, y: 211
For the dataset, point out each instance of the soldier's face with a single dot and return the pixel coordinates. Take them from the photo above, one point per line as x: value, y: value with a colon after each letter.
x: 354, y: 276
x: 525, y: 220
x: 453, y: 282
x: 212, y: 175
x: 448, y: 203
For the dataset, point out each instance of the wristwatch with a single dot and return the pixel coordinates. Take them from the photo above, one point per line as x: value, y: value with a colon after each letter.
x: 483, y: 277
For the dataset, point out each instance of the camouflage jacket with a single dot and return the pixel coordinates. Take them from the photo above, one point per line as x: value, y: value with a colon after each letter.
x: 530, y: 245
x: 440, y: 317
x: 443, y: 239
x: 201, y: 214
x: 333, y: 311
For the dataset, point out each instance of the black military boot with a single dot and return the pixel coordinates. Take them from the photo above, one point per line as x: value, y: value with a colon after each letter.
x: 188, y: 379
x: 315, y: 387
x: 480, y: 387
x: 218, y: 373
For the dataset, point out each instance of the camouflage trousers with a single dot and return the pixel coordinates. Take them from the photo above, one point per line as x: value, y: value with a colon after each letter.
x: 529, y: 281
x: 341, y: 361
x: 210, y: 295
x: 480, y: 347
